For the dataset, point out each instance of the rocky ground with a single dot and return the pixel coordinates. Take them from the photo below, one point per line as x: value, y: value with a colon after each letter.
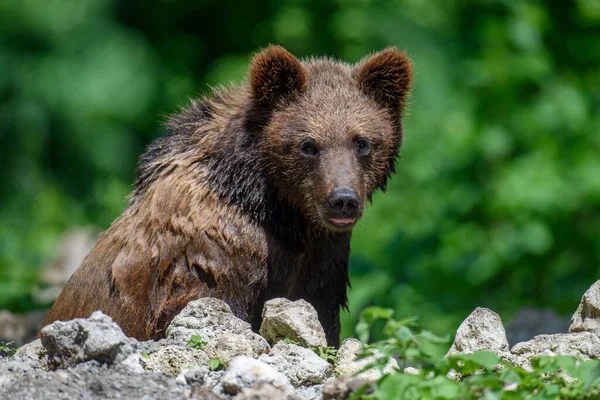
x: 210, y: 354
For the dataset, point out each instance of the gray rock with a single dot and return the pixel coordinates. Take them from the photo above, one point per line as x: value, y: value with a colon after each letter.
x: 298, y: 321
x: 348, y: 364
x: 230, y: 345
x: 584, y: 344
x: 33, y: 354
x: 514, y: 359
x: 172, y: 359
x: 266, y: 391
x: 213, y: 381
x: 314, y: 392
x: 342, y: 388
x: 132, y: 364
x: 301, y: 366
x: 246, y: 372
x: 587, y: 316
x: 149, y: 346
x: 91, y: 380
x: 224, y: 333
x: 95, y: 338
x: 193, y: 375
x: 482, y: 330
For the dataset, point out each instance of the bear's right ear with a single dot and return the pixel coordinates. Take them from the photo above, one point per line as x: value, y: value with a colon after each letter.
x: 275, y: 74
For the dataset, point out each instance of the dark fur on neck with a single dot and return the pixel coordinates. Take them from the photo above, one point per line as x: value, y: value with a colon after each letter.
x: 233, y: 166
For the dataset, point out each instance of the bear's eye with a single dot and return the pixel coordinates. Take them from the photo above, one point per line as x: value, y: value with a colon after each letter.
x: 363, y: 147
x: 309, y: 149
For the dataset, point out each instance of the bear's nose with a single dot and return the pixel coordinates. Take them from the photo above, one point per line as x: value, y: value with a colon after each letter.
x: 344, y: 200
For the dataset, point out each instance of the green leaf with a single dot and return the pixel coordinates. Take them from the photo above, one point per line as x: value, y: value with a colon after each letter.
x: 398, y: 386
x: 592, y: 378
x: 216, y: 364
x: 367, y: 318
x: 483, y: 358
x: 509, y: 375
x: 433, y: 347
x: 443, y: 388
x: 196, y: 342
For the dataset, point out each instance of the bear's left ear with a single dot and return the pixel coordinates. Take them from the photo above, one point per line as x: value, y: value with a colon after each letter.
x: 275, y: 74
x: 386, y: 76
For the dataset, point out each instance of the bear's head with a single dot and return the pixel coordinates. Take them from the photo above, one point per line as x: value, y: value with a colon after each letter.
x: 330, y: 131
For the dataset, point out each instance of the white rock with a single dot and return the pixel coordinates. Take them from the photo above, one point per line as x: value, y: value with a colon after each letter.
x: 230, y: 345
x: 349, y: 365
x: 245, y: 372
x: 482, y: 330
x: 412, y: 371
x: 197, y: 374
x: 213, y: 380
x: 133, y: 364
x: 34, y: 354
x: 226, y: 335
x: 314, y: 392
x: 302, y: 366
x: 587, y: 316
x: 172, y: 359
x: 583, y: 344
x: 298, y: 321
x: 265, y: 391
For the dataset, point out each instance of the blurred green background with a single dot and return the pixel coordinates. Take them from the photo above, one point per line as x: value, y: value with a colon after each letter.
x: 496, y: 201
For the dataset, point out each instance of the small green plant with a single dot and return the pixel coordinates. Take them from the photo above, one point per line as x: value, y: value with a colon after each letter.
x: 327, y: 353
x: 196, y: 342
x: 217, y: 364
x: 145, y: 356
x: 482, y: 375
x: 7, y: 349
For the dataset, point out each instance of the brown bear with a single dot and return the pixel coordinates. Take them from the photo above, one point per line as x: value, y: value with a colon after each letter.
x: 251, y: 195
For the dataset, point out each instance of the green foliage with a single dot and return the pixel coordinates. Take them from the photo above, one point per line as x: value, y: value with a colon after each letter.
x: 217, y: 364
x: 196, y: 342
x: 400, y: 340
x: 7, y: 349
x: 481, y: 375
x: 327, y: 353
x: 496, y: 198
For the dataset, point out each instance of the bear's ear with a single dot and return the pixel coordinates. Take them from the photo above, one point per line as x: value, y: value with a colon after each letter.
x: 386, y: 76
x: 274, y: 75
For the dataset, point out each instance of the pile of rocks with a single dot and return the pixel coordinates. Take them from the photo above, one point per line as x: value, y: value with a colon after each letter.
x: 208, y: 353
x: 483, y: 330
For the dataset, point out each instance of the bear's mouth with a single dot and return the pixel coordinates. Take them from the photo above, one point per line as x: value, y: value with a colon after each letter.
x: 343, y: 222
x: 337, y: 223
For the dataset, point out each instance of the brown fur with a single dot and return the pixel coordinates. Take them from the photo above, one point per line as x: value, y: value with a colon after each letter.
x: 228, y: 206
